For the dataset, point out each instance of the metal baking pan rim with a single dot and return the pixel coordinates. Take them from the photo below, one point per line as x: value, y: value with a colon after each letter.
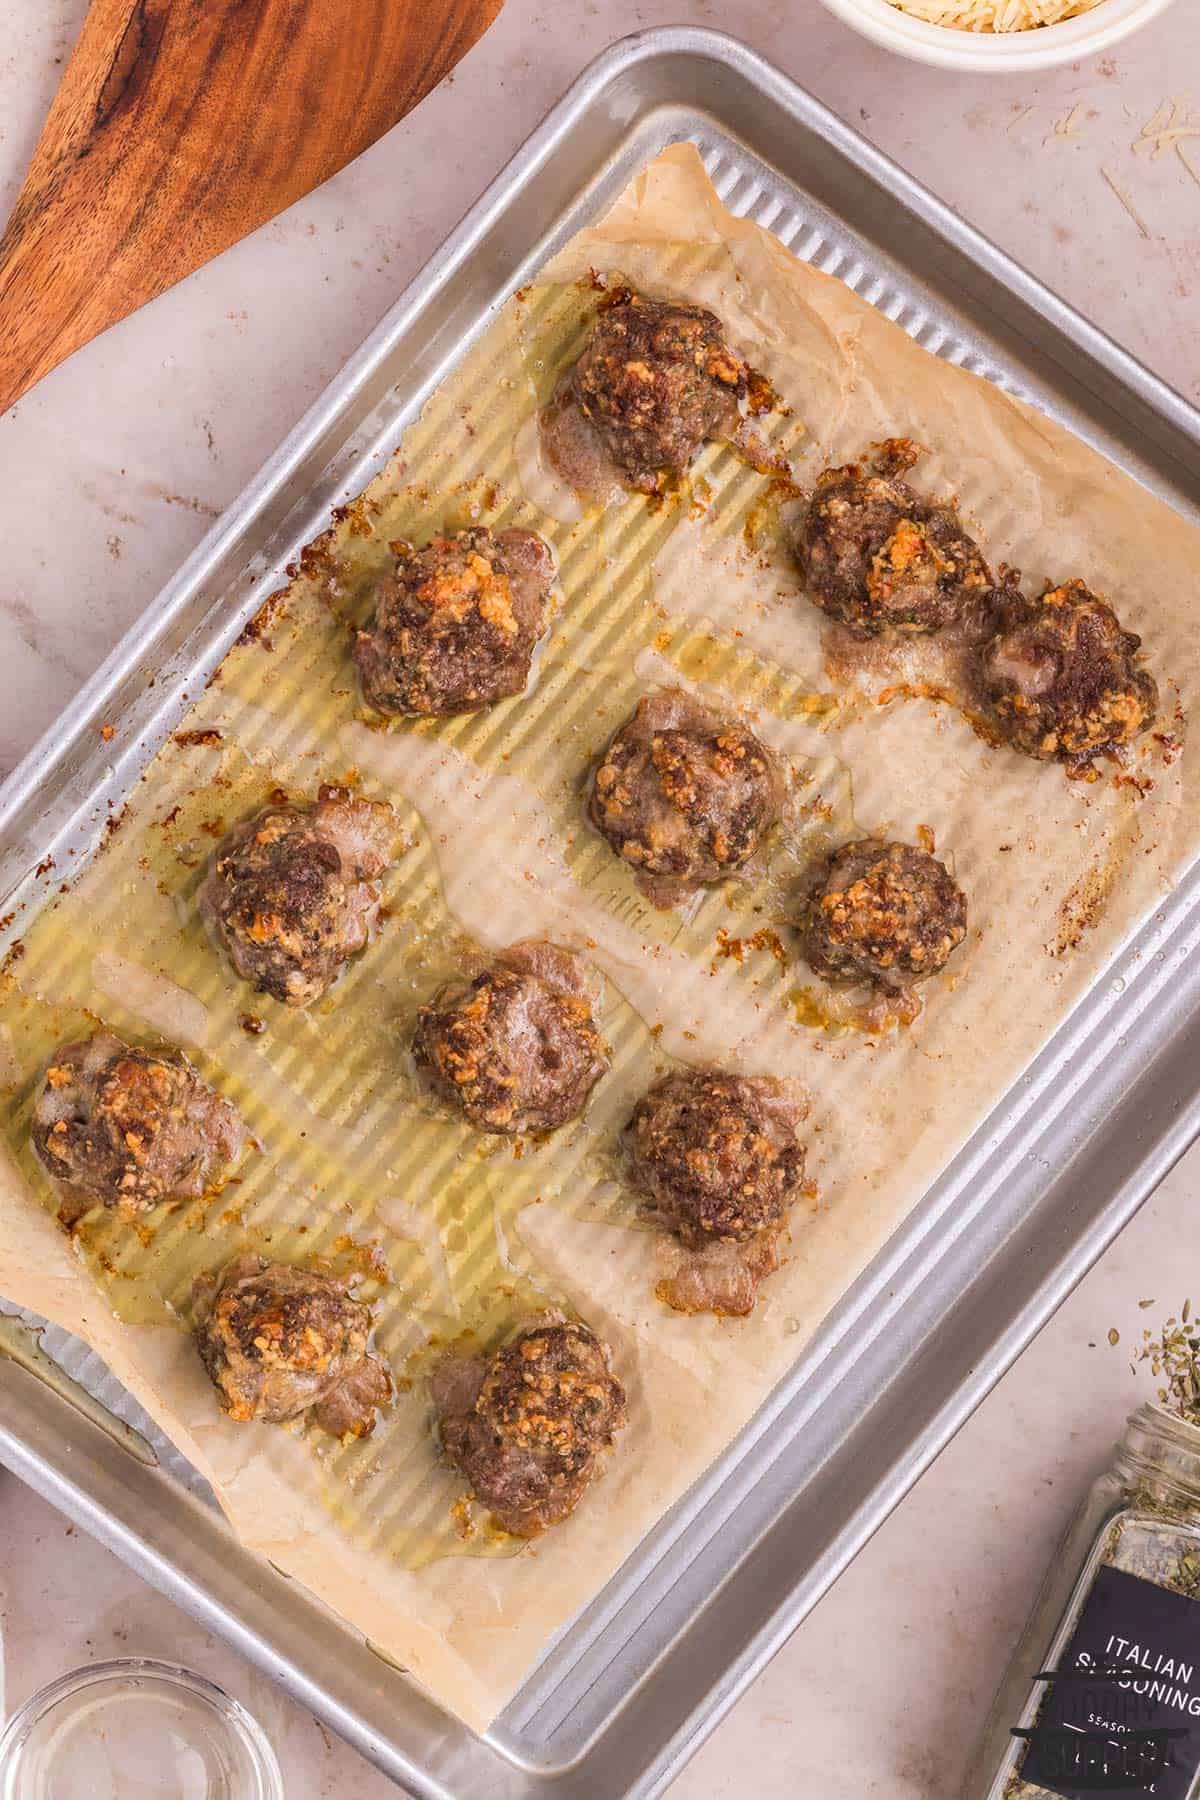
x: 620, y: 61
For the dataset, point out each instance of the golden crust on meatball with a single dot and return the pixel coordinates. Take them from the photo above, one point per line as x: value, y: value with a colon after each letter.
x: 528, y: 1425
x: 456, y: 623
x: 655, y: 381
x: 714, y: 1155
x: 279, y: 1340
x: 684, y: 794
x: 130, y: 1128
x: 878, y: 557
x: 884, y: 913
x: 1062, y: 678
x: 516, y: 1048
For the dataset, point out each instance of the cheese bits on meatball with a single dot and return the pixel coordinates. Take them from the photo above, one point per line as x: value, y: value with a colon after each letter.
x: 880, y: 559
x: 887, y: 914
x: 655, y: 382
x: 456, y: 623
x: 515, y: 1049
x: 529, y: 1425
x: 1062, y: 677
x: 684, y: 794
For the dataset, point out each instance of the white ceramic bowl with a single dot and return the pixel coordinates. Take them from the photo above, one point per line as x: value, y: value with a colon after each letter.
x: 999, y: 53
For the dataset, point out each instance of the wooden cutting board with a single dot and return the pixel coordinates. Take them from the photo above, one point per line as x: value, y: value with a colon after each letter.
x: 180, y: 126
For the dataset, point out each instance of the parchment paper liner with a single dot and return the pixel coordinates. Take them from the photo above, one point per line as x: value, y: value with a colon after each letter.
x: 452, y: 1232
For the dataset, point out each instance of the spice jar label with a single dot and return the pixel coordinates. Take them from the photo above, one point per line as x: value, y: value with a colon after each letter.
x: 1122, y: 1710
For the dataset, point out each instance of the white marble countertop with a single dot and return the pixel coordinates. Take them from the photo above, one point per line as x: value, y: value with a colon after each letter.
x: 116, y: 464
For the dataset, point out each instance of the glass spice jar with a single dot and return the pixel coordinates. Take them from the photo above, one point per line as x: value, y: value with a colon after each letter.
x: 1103, y: 1691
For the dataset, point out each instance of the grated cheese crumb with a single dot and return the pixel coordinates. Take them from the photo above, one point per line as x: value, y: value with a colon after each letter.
x: 1127, y: 203
x: 1170, y: 125
x: 994, y: 15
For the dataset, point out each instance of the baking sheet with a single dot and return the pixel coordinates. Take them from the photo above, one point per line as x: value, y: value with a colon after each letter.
x: 681, y: 592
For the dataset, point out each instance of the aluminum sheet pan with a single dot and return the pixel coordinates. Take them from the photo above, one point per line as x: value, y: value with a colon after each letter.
x: 633, y: 1686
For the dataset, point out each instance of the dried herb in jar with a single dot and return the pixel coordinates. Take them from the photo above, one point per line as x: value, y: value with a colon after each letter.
x: 1103, y: 1692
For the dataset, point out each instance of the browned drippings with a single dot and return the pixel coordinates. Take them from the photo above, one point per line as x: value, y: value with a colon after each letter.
x: 826, y: 1009
x: 723, y: 1277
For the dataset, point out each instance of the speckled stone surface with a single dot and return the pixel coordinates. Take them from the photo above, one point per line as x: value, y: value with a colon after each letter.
x: 114, y: 467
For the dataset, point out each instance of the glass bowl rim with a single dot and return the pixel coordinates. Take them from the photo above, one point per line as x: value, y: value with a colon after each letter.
x: 240, y: 1721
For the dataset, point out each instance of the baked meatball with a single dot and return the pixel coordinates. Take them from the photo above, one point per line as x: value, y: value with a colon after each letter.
x: 515, y: 1049
x: 291, y: 891
x: 715, y: 1156
x: 130, y: 1128
x: 528, y: 1424
x: 876, y: 556
x: 685, y: 794
x: 279, y: 1341
x: 1061, y: 677
x: 655, y: 381
x: 456, y: 623
x: 888, y: 914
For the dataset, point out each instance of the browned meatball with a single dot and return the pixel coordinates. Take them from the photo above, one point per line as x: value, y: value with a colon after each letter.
x: 884, y: 913
x: 516, y: 1049
x: 655, y: 381
x: 715, y: 1155
x: 456, y: 624
x: 278, y: 1341
x: 130, y: 1128
x: 877, y: 557
x: 291, y: 891
x: 527, y: 1425
x: 1062, y: 679
x: 685, y: 794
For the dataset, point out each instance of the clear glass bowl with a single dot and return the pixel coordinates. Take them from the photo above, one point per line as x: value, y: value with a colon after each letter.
x: 133, y: 1729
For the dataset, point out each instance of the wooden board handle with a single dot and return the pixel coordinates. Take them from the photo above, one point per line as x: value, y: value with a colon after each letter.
x: 180, y: 126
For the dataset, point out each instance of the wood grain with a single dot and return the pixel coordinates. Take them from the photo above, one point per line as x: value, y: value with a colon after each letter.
x: 181, y: 125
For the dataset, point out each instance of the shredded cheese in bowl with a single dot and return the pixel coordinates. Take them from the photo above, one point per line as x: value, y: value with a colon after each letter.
x: 994, y: 15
